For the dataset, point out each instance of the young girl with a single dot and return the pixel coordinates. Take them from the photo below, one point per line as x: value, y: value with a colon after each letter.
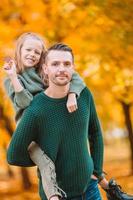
x: 25, y: 80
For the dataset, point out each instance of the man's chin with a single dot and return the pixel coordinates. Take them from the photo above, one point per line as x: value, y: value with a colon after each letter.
x: 62, y: 82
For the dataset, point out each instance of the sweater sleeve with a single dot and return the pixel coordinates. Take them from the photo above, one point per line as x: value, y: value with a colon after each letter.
x: 95, y: 139
x: 21, y: 99
x: 25, y: 133
x: 77, y: 84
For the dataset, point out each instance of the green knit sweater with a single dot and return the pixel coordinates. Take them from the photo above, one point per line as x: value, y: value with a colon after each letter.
x: 63, y: 137
x: 33, y: 84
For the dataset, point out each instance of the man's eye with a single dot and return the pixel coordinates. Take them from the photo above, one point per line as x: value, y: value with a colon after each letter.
x: 28, y: 49
x: 55, y: 64
x: 37, y: 52
x: 67, y: 64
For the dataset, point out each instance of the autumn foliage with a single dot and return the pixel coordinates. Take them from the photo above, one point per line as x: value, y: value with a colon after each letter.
x: 101, y: 35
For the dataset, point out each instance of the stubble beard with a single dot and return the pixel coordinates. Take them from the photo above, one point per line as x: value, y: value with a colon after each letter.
x: 60, y: 83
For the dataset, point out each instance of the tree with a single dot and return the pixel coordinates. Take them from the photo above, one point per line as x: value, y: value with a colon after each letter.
x: 99, y: 31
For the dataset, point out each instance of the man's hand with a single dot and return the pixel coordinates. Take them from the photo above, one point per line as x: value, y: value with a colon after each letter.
x: 72, y: 102
x: 93, y: 177
x: 104, y: 183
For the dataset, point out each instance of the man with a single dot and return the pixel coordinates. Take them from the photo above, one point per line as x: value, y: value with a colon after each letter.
x: 63, y: 136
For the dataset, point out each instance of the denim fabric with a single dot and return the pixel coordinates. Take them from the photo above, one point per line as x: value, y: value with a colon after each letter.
x: 92, y: 192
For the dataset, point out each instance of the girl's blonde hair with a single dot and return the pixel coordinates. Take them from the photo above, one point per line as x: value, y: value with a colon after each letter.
x: 20, y: 42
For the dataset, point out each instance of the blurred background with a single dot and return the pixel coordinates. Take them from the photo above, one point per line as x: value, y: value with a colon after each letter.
x: 101, y: 35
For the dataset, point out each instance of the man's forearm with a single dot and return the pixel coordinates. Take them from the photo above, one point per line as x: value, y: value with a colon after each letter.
x: 97, y: 149
x: 25, y: 133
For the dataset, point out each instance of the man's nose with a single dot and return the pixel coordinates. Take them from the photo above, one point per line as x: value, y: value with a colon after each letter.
x: 61, y: 67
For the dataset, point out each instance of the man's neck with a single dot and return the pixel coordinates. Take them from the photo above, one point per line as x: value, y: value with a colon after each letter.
x: 56, y: 91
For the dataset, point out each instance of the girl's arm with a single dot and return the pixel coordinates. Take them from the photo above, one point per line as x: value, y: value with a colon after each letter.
x: 16, y: 83
x: 76, y: 87
x: 77, y: 84
x: 20, y: 97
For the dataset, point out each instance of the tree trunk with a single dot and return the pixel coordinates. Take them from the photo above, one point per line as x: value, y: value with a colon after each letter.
x: 24, y: 173
x: 10, y: 172
x: 126, y: 109
x: 25, y: 178
x: 7, y: 122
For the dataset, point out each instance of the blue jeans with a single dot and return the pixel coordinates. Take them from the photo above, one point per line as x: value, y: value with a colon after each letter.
x: 92, y: 192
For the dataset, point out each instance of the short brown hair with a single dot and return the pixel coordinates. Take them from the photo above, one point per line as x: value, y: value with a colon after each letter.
x: 59, y: 47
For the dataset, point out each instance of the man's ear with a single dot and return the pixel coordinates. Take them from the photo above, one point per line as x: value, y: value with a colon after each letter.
x: 74, y: 66
x: 44, y: 67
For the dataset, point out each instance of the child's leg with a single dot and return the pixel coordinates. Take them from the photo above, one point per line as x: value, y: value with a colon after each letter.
x: 47, y: 171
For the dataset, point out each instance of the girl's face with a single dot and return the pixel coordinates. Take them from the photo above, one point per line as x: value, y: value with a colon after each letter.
x: 31, y: 52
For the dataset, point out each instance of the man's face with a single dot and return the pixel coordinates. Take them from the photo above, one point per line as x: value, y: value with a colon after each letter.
x: 59, y: 67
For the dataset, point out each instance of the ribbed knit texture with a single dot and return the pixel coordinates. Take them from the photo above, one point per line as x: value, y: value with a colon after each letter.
x: 63, y: 137
x: 33, y: 85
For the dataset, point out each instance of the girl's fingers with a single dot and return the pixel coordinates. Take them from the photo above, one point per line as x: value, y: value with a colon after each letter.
x: 10, y: 65
x: 10, y: 61
x: 7, y: 59
x: 69, y: 109
x: 72, y: 108
x: 76, y: 106
x: 6, y: 66
x: 13, y: 63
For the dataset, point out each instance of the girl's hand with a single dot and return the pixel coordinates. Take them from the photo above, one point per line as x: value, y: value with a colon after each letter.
x: 10, y: 67
x: 72, y: 102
